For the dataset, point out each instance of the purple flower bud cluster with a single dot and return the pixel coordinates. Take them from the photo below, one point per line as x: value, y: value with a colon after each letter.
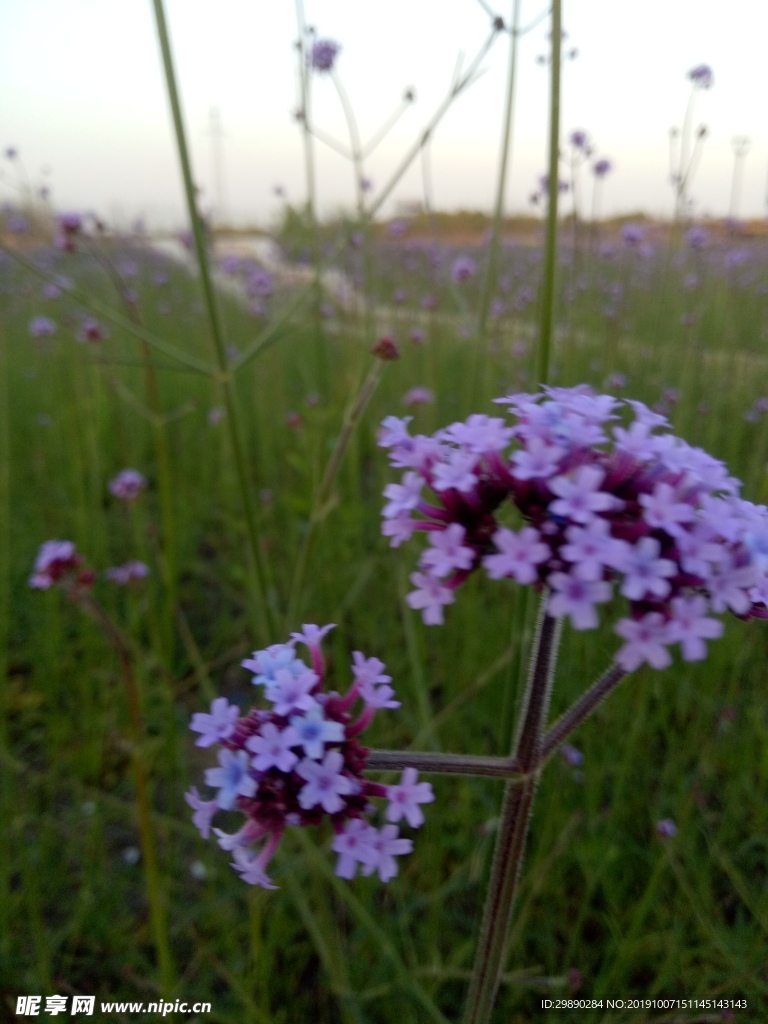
x: 301, y: 762
x: 603, y: 507
x: 323, y: 54
x: 56, y: 560
x: 701, y: 76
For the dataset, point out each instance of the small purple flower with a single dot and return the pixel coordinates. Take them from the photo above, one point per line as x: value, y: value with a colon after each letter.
x: 430, y: 596
x: 387, y: 845
x: 204, y: 811
x: 323, y: 54
x: 272, y: 748
x: 325, y: 783
x: 125, y: 574
x: 646, y: 642
x: 405, y: 797
x: 666, y: 828
x: 579, y: 140
x: 418, y: 396
x: 312, y: 635
x: 91, y: 330
x: 41, y: 327
x: 601, y: 168
x: 314, y: 731
x: 572, y: 755
x: 128, y: 484
x: 576, y: 598
x: 456, y: 473
x: 231, y: 778
x: 354, y: 846
x: 266, y: 664
x: 689, y: 626
x: 251, y: 868
x: 579, y: 496
x: 291, y: 691
x: 632, y: 234
x: 216, y: 726
x: 644, y: 572
x: 447, y: 552
x: 463, y: 269
x: 518, y: 556
x: 403, y: 497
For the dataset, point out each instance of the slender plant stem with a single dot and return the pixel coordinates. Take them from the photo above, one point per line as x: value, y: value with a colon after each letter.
x: 444, y: 764
x: 550, y: 255
x: 262, y: 610
x: 581, y: 709
x: 320, y: 506
x: 385, y: 128
x: 457, y: 87
x: 514, y: 823
x: 186, y: 360
x: 309, y: 156
x: 506, y: 147
x: 162, y: 451
x: 143, y: 810
x: 6, y: 790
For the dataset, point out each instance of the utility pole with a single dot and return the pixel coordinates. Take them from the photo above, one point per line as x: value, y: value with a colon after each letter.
x: 217, y: 133
x: 740, y: 145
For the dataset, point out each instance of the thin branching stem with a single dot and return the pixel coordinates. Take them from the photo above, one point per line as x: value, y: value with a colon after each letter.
x: 506, y: 146
x: 444, y: 764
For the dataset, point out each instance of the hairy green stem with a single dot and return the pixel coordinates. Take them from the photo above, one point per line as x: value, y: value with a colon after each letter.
x: 550, y: 254
x: 514, y: 823
x: 262, y: 610
x: 581, y: 709
x: 444, y: 764
x: 309, y: 156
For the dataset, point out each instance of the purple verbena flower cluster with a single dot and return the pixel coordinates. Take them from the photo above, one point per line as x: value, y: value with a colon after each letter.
x: 603, y: 506
x: 301, y: 761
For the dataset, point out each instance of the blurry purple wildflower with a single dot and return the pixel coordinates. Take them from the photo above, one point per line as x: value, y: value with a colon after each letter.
x: 41, y: 327
x: 128, y: 484
x: 418, y: 396
x: 323, y: 54
x: 701, y: 76
x: 125, y: 574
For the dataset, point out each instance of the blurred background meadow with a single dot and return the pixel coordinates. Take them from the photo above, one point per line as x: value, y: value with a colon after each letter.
x: 339, y: 208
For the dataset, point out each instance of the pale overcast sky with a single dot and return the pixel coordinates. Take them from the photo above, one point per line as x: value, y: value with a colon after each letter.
x: 83, y: 98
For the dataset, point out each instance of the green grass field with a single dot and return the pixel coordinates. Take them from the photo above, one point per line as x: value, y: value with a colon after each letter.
x: 607, y: 908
